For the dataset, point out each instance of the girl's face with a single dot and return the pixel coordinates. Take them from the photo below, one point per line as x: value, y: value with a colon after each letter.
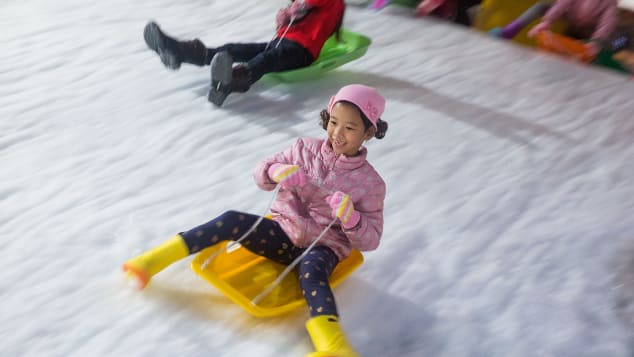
x: 346, y: 131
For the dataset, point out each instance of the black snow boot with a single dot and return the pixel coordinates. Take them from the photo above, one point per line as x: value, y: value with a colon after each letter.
x: 225, y: 79
x: 171, y: 51
x: 241, y: 78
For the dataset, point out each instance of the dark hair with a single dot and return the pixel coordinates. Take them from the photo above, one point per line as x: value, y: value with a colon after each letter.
x: 381, y: 125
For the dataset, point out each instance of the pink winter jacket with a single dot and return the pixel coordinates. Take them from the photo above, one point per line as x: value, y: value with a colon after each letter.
x: 596, y: 18
x: 303, y: 212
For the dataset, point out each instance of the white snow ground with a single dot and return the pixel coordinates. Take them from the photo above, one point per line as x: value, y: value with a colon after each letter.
x: 627, y: 4
x: 508, y: 219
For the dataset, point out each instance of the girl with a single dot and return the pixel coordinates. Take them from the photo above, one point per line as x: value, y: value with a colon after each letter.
x: 321, y: 180
x: 591, y: 20
x: 302, y: 29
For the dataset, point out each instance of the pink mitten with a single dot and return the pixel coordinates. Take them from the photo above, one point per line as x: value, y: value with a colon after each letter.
x: 592, y: 48
x: 343, y: 208
x: 542, y: 26
x: 287, y: 175
x: 283, y: 17
x: 299, y: 9
x: 426, y: 7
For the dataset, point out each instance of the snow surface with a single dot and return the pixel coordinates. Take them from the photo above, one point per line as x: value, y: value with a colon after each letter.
x: 508, y: 218
x: 626, y: 4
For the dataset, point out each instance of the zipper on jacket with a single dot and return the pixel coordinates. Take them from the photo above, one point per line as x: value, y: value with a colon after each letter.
x: 334, y: 163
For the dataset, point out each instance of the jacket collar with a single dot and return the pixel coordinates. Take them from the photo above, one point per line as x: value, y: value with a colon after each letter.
x: 342, y: 161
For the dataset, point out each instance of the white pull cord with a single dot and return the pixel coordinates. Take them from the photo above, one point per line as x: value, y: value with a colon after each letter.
x: 279, y: 279
x: 282, y: 36
x: 285, y: 31
x: 233, y: 243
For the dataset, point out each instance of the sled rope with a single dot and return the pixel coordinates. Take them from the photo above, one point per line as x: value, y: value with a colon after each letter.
x: 282, y: 36
x: 279, y: 279
x: 246, y: 234
x: 285, y: 31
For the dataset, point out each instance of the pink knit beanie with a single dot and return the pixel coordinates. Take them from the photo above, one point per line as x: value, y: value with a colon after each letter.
x: 367, y: 99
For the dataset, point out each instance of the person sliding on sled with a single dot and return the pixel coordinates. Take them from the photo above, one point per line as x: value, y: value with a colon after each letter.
x: 302, y: 29
x: 321, y: 180
x: 593, y: 21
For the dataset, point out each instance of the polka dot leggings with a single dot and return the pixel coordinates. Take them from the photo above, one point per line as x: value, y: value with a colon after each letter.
x: 270, y: 241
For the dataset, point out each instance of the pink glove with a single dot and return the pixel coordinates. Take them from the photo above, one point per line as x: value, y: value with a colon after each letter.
x: 287, y: 175
x: 426, y: 7
x: 593, y: 48
x: 299, y: 9
x: 343, y: 208
x: 283, y: 17
x: 542, y: 26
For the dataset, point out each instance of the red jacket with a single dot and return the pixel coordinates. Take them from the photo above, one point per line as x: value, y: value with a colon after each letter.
x: 314, y: 29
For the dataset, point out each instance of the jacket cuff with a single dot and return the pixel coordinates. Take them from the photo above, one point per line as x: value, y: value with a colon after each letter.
x: 353, y: 222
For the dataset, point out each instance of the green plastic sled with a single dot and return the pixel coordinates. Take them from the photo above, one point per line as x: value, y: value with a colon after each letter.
x: 379, y: 4
x: 606, y: 59
x: 333, y: 54
x: 405, y: 3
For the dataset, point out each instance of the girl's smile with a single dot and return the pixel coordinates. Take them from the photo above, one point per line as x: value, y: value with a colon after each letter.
x: 346, y: 131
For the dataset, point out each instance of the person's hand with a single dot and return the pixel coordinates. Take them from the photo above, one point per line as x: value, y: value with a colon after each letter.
x: 283, y: 17
x: 343, y: 208
x: 542, y: 26
x: 298, y: 9
x: 287, y: 175
x: 426, y: 7
x: 593, y: 48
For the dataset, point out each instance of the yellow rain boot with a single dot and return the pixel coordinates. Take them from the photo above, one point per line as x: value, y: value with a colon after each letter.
x: 144, y: 266
x: 328, y: 337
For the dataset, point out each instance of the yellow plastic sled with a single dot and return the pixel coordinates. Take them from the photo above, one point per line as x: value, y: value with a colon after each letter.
x: 241, y: 276
x: 499, y: 13
x: 564, y: 46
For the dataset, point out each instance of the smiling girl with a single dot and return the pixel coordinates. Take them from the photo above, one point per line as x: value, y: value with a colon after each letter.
x: 321, y: 180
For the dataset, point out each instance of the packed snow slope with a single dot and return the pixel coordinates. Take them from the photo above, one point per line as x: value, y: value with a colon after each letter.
x: 508, y: 217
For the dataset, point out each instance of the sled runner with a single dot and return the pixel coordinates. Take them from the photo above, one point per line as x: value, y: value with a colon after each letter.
x: 333, y: 54
x: 571, y: 48
x: 241, y: 276
x: 563, y: 45
x: 379, y: 4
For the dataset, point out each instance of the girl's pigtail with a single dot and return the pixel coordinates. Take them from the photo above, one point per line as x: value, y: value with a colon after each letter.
x: 325, y: 118
x: 381, y: 129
